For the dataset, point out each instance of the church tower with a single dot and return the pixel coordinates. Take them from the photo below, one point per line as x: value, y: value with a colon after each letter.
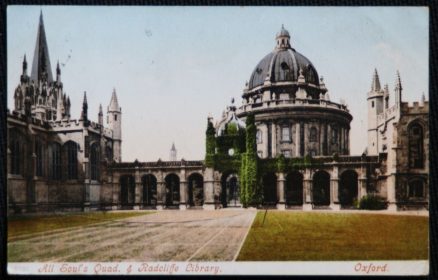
x: 375, y: 107
x: 114, y: 120
x: 41, y: 69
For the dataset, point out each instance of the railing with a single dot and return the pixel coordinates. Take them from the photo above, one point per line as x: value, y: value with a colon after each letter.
x: 159, y: 163
x: 291, y: 102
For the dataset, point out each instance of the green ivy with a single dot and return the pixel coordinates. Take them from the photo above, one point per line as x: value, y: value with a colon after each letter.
x: 210, y: 143
x: 251, y: 193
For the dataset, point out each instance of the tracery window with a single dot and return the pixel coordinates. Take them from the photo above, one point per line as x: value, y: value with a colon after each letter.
x: 94, y: 161
x: 55, y: 161
x: 16, y: 148
x: 72, y: 160
x: 39, y: 158
x: 416, y: 150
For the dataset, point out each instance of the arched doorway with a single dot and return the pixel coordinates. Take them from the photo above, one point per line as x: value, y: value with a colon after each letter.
x: 230, y: 194
x: 196, y: 190
x: 127, y: 191
x: 269, y: 182
x: 172, y: 190
x: 321, y: 188
x: 348, y: 188
x: 294, y: 189
x: 149, y: 183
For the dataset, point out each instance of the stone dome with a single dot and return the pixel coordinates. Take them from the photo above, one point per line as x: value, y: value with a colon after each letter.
x: 283, y: 65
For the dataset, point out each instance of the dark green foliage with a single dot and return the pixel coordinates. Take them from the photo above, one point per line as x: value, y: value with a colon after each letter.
x: 281, y: 163
x: 231, y: 129
x: 251, y: 192
x: 373, y: 202
x: 210, y: 143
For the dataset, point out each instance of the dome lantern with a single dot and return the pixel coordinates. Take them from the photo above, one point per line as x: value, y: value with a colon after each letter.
x: 283, y: 39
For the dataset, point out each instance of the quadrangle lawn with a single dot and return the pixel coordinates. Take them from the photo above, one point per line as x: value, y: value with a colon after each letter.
x: 299, y: 236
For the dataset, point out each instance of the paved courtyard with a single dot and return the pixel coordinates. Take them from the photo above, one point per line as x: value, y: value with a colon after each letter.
x: 191, y: 235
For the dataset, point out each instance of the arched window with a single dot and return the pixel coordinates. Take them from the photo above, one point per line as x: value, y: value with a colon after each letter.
x: 259, y: 136
x: 285, y: 134
x: 55, y: 161
x: 313, y: 135
x: 39, y: 158
x: 94, y: 161
x: 416, y: 150
x: 72, y: 160
x: 334, y: 135
x: 16, y: 148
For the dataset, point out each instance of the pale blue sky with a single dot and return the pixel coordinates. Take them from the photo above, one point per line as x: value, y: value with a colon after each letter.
x: 171, y: 66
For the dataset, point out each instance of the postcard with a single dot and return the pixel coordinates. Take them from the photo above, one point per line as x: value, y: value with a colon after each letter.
x: 148, y: 140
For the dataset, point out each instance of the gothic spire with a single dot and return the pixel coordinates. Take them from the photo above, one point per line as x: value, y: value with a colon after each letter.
x: 41, y: 68
x: 375, y: 85
x: 398, y: 84
x: 114, y: 104
x: 84, y: 114
x: 24, y: 65
x: 58, y: 72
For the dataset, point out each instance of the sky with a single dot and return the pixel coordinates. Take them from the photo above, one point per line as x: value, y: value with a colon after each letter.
x: 173, y: 66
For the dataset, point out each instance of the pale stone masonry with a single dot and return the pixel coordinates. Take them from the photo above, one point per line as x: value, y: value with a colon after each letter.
x: 57, y: 163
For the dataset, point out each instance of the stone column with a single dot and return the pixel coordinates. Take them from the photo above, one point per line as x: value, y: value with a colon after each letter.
x: 161, y: 191
x: 334, y: 186
x: 390, y: 189
x: 362, y: 184
x: 280, y: 191
x: 183, y: 191
x: 8, y: 171
x: 307, y: 190
x: 116, y: 190
x: 297, y: 139
x: 209, y: 189
x: 274, y: 140
x: 138, y: 193
x: 87, y: 181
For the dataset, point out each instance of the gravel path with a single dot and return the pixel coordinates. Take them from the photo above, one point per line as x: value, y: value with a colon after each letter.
x: 191, y: 235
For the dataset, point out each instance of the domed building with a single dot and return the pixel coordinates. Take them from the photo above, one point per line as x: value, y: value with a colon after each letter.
x: 286, y: 147
x: 293, y: 112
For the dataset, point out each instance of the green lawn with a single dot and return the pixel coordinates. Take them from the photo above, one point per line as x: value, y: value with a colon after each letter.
x: 298, y: 236
x: 20, y: 226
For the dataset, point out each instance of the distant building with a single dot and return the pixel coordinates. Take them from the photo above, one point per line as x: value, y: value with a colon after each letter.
x: 172, y: 156
x: 302, y: 142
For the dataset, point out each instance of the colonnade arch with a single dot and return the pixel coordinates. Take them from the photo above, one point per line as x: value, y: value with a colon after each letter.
x: 172, y: 191
x: 149, y: 184
x: 195, y: 190
x: 294, y: 188
x: 321, y: 188
x: 269, y: 182
x: 230, y: 189
x: 348, y: 188
x: 127, y: 191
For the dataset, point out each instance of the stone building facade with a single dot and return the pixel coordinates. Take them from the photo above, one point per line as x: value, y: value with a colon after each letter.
x: 56, y: 163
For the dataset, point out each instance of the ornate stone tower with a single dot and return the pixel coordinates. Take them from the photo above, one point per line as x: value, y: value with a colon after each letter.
x: 375, y: 107
x: 114, y: 120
